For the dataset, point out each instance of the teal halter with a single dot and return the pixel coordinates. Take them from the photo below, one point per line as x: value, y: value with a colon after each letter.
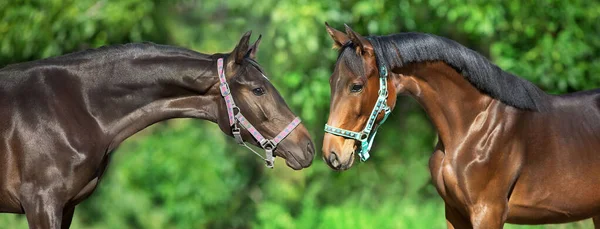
x: 365, y: 137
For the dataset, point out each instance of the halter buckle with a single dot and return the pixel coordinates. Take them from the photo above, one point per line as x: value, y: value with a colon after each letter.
x: 237, y: 134
x: 224, y: 87
x: 364, y: 155
x: 383, y: 71
x: 269, y: 158
x: 268, y: 146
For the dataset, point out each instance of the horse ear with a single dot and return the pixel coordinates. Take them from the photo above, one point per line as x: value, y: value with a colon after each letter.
x: 363, y: 46
x: 339, y: 37
x: 254, y: 48
x: 240, y: 51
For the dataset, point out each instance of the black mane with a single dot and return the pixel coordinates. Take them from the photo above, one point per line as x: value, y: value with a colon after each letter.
x: 478, y: 70
x: 136, y: 48
x: 115, y: 52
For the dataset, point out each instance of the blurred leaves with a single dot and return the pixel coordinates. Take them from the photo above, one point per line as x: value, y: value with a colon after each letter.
x: 39, y: 29
x: 186, y: 174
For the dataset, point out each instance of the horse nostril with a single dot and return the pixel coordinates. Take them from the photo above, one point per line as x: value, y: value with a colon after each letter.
x: 333, y: 160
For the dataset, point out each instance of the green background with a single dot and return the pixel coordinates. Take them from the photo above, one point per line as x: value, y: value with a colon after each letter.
x: 186, y: 174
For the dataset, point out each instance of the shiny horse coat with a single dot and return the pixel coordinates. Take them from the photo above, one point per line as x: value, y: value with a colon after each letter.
x: 507, y: 151
x: 62, y: 117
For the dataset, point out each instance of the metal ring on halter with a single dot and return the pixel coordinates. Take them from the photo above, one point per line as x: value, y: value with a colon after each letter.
x: 237, y: 134
x: 364, y: 136
x: 224, y: 89
x: 235, y: 109
x: 235, y: 130
x: 267, y: 145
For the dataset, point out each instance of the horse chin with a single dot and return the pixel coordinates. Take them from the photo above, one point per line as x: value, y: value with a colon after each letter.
x: 293, y: 161
x: 293, y: 164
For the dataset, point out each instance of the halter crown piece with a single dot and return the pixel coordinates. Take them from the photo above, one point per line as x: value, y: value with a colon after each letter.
x: 236, y: 117
x: 365, y: 137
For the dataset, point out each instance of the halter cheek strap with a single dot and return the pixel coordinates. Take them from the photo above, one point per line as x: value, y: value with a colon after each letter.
x: 236, y: 117
x: 367, y: 135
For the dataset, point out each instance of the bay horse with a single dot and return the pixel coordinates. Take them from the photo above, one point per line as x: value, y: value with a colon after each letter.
x: 507, y: 151
x: 62, y: 117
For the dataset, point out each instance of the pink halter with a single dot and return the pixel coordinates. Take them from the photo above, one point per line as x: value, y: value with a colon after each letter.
x: 235, y: 117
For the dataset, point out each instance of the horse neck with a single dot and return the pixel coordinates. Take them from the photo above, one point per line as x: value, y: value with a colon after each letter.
x: 151, y: 89
x: 451, y: 102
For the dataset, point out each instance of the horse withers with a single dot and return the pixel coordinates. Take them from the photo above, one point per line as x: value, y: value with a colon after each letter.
x: 507, y: 151
x: 62, y: 117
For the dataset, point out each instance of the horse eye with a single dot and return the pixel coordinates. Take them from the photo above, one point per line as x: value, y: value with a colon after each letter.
x: 356, y: 88
x: 258, y: 91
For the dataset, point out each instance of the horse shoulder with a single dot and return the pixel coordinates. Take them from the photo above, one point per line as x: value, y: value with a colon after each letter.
x: 487, y: 161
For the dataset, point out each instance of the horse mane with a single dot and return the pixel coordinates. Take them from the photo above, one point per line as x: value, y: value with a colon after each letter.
x: 112, y: 52
x: 475, y: 68
x: 136, y: 49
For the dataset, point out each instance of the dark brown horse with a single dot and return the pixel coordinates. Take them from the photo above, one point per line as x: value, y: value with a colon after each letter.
x: 62, y: 117
x: 507, y: 151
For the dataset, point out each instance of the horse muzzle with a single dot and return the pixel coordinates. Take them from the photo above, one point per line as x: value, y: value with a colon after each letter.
x: 338, y: 152
x: 297, y: 155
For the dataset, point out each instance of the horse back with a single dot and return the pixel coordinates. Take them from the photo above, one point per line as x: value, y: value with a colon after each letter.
x: 560, y: 178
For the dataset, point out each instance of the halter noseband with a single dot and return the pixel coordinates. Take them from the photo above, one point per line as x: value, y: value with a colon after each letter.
x: 235, y: 117
x: 365, y: 137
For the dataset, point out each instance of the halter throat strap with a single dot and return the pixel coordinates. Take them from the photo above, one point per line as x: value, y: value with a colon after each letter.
x: 367, y: 135
x: 235, y: 117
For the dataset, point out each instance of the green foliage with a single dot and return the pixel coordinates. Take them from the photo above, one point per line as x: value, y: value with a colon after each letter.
x: 186, y: 174
x: 39, y: 29
x: 180, y: 177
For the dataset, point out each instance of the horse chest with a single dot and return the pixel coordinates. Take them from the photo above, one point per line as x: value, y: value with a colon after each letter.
x: 445, y: 179
x: 91, y: 185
